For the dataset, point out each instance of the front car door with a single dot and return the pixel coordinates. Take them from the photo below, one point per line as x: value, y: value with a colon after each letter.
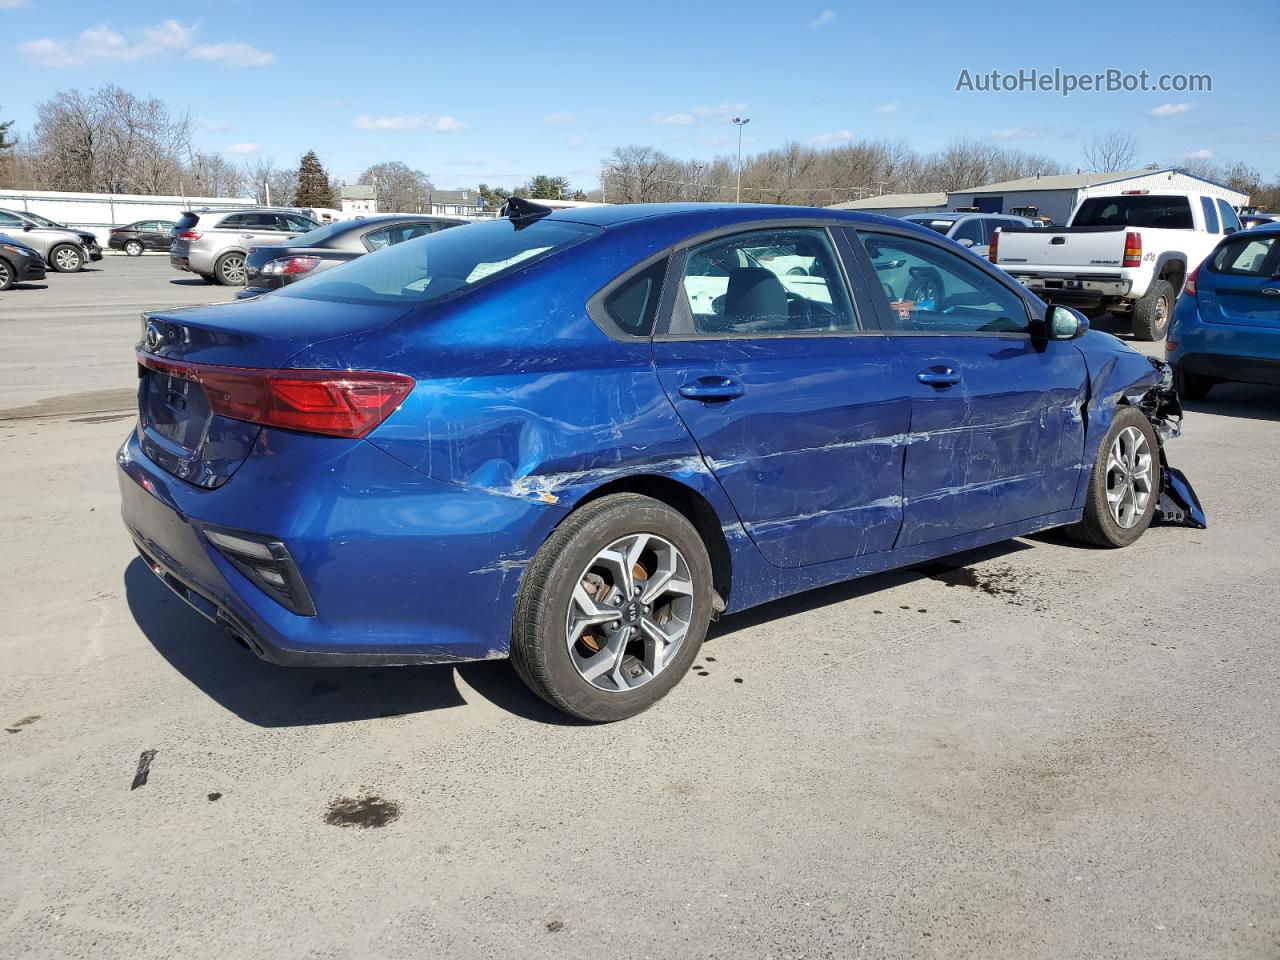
x: 997, y: 431
x: 794, y: 396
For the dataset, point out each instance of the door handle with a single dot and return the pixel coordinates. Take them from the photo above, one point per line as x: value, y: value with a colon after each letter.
x: 939, y: 377
x: 246, y: 236
x: 712, y: 388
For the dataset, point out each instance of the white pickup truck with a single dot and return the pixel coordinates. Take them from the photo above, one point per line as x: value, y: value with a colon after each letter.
x: 1125, y: 253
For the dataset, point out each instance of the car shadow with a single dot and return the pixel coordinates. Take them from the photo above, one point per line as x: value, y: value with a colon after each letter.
x: 267, y: 695
x: 30, y: 286
x: 1119, y: 327
x: 190, y: 282
x: 1250, y: 401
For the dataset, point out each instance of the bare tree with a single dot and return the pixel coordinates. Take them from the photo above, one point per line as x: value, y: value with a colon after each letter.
x: 1106, y: 152
x: 401, y: 189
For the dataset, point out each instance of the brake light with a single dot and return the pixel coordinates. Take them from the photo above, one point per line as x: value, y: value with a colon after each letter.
x: 290, y: 266
x: 336, y: 403
x: 1132, y: 250
x: 994, y: 247
x: 1190, y: 286
x: 1134, y: 193
x: 188, y: 235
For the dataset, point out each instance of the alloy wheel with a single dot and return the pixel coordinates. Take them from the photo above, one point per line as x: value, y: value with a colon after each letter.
x: 1130, y: 477
x: 233, y: 270
x: 67, y: 260
x: 133, y: 248
x: 630, y: 612
x: 4, y: 275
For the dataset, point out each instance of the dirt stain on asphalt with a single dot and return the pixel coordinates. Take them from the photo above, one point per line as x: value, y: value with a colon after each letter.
x: 17, y: 725
x: 555, y: 926
x: 1006, y: 583
x: 365, y: 811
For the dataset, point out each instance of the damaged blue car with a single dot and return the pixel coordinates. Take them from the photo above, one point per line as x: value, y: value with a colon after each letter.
x: 574, y: 437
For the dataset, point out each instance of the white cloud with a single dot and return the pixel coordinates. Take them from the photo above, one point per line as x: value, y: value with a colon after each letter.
x: 1014, y: 133
x: 213, y: 126
x: 234, y: 54
x: 558, y: 119
x: 102, y: 44
x: 887, y: 108
x: 414, y: 121
x: 447, y: 124
x: 724, y: 111
x: 675, y: 119
x: 822, y: 19
x: 1201, y: 154
x: 576, y: 143
x: 12, y: 4
x: 1170, y: 109
x: 835, y: 136
x: 242, y: 149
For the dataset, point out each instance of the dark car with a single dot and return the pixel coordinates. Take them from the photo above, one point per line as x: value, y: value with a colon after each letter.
x: 18, y: 262
x: 575, y: 437
x: 272, y: 267
x: 142, y: 235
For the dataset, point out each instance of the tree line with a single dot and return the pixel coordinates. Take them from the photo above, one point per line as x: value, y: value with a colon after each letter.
x: 109, y: 140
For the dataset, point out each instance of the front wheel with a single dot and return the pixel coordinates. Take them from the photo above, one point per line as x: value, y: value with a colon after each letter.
x: 613, y: 608
x: 6, y: 276
x: 1124, y: 486
x: 66, y: 258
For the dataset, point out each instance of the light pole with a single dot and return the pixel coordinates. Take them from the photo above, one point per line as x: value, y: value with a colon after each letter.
x: 740, y: 122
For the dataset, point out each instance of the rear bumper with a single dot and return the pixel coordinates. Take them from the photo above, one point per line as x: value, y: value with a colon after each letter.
x: 402, y: 569
x: 1235, y: 369
x: 1072, y: 290
x: 1222, y: 351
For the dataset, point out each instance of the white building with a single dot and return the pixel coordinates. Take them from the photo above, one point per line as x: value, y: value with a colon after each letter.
x: 1057, y: 197
x: 359, y: 200
x: 99, y: 212
x: 455, y: 203
x: 896, y: 204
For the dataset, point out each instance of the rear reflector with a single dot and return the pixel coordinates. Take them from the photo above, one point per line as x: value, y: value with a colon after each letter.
x: 336, y: 403
x: 993, y: 250
x: 1132, y: 250
x: 1189, y: 287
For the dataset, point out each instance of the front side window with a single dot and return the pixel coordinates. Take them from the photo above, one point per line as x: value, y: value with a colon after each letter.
x: 396, y: 233
x: 765, y: 283
x: 1210, y: 215
x: 9, y: 220
x: 1246, y: 256
x: 932, y: 290
x: 970, y: 230
x: 439, y: 264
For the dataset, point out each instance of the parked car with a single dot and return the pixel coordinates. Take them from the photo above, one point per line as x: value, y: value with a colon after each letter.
x: 270, y: 268
x: 1249, y: 220
x: 142, y: 235
x: 64, y: 249
x: 523, y: 438
x: 972, y: 230
x: 18, y: 262
x: 1226, y: 326
x: 1126, y: 253
x: 212, y: 243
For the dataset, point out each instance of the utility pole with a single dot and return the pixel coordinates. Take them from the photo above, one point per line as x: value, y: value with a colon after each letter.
x: 266, y: 189
x: 740, y: 122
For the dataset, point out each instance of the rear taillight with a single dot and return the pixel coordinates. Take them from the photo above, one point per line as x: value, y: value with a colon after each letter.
x: 1132, y: 250
x: 188, y: 235
x: 994, y: 248
x: 290, y: 266
x: 336, y: 403
x: 1189, y: 287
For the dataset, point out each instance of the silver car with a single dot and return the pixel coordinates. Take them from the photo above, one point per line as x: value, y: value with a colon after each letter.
x: 972, y: 230
x: 212, y: 243
x: 64, y: 249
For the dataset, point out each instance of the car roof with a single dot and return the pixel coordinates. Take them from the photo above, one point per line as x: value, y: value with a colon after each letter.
x: 704, y: 216
x: 1266, y: 227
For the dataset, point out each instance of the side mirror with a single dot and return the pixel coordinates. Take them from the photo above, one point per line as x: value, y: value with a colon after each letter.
x: 1063, y: 323
x: 27, y: 228
x: 966, y: 242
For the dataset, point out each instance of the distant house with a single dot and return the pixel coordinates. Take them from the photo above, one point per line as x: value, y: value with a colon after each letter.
x: 896, y: 204
x: 1057, y: 197
x: 359, y: 200
x: 455, y: 203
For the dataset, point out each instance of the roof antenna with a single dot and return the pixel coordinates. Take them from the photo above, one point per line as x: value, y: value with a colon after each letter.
x: 523, y: 211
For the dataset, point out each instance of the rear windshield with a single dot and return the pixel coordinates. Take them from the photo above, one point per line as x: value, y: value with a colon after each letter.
x: 434, y: 266
x: 1245, y: 256
x: 1165, y: 213
x: 942, y: 226
x: 186, y: 222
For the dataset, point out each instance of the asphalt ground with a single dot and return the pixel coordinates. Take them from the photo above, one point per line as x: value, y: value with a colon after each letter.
x: 1035, y: 750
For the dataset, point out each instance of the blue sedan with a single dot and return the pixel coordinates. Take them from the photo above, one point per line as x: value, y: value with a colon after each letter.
x: 1226, y: 324
x: 573, y: 438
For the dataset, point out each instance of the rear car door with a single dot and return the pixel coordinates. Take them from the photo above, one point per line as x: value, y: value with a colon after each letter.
x: 996, y: 432
x: 1240, y: 283
x: 793, y: 394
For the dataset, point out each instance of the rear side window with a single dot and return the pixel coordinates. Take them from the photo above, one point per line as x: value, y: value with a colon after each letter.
x: 440, y: 264
x: 396, y: 233
x: 633, y: 306
x: 234, y: 221
x: 1230, y: 222
x: 1210, y: 215
x: 1164, y: 213
x: 1245, y: 257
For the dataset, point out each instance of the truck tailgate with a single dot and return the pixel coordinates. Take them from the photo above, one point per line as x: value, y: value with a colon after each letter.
x: 1082, y: 247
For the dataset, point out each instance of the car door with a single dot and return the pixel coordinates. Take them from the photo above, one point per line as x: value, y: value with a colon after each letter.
x: 971, y: 233
x: 996, y: 433
x: 794, y: 396
x: 1239, y: 283
x: 158, y: 232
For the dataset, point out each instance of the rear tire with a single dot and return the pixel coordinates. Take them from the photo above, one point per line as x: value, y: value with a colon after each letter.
x: 207, y: 277
x: 586, y: 645
x: 1151, y: 313
x: 133, y: 248
x: 1193, y: 387
x: 1126, y: 473
x: 229, y: 270
x: 66, y: 258
x: 6, y: 275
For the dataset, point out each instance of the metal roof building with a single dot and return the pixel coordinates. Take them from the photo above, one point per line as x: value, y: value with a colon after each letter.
x: 896, y: 204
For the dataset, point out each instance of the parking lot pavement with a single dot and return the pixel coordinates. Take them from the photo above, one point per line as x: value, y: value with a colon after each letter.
x: 1037, y: 750
x: 68, y: 340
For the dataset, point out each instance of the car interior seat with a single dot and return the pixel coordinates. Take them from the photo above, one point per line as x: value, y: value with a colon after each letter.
x: 755, y: 295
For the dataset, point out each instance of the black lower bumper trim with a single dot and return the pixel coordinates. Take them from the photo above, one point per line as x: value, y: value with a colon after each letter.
x: 1236, y: 369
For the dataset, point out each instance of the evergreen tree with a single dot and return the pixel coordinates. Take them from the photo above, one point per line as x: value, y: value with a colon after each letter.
x: 314, y: 189
x: 5, y: 142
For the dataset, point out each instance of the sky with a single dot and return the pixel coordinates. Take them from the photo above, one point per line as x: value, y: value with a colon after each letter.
x: 503, y: 91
